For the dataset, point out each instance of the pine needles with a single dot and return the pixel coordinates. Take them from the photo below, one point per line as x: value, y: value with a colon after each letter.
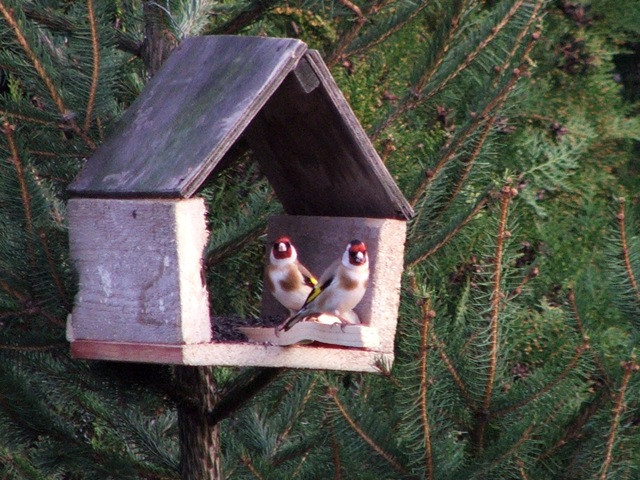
x: 518, y: 328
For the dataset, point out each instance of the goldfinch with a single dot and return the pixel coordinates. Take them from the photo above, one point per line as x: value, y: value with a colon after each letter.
x: 287, y: 279
x: 340, y: 288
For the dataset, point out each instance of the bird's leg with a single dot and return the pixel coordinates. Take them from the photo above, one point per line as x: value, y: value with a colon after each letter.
x: 347, y: 318
x: 343, y: 321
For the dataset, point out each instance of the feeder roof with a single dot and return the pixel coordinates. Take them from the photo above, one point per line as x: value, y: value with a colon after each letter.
x: 271, y: 94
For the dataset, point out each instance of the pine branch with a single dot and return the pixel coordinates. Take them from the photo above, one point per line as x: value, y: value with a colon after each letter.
x: 516, y: 44
x: 14, y: 314
x: 25, y: 118
x: 30, y: 304
x: 239, y: 395
x: 233, y: 245
x: 533, y: 273
x: 411, y: 262
x: 474, y: 53
x: 285, y: 433
x: 360, y: 19
x: 544, y: 390
x: 335, y: 450
x: 576, y: 315
x: 246, y: 17
x: 523, y: 438
x: 625, y: 251
x: 469, y: 162
x: 585, y: 337
x: 57, y: 22
x: 54, y: 270
x: 298, y: 468
x: 495, y: 104
x: 427, y: 316
x: 496, y: 299
x: 388, y: 148
x: 13, y: 292
x: 366, y: 438
x: 409, y: 101
x: 40, y: 153
x: 385, y: 371
x: 246, y: 460
x: 521, y: 471
x: 507, y: 194
x: 95, y: 64
x: 303, y: 454
x: 629, y: 369
x: 574, y: 430
x: 352, y: 33
x: 34, y: 348
x: 47, y: 17
x: 11, y: 21
x: 423, y: 80
x: 387, y: 33
x: 417, y: 97
x: 100, y: 129
x: 451, y: 368
x: 20, y: 465
x: 8, y: 130
x: 44, y: 422
x: 42, y: 73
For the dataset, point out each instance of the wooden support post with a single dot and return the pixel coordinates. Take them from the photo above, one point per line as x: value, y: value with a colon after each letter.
x: 199, y: 437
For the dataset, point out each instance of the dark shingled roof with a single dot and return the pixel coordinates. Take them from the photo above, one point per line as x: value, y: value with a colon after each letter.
x: 272, y: 94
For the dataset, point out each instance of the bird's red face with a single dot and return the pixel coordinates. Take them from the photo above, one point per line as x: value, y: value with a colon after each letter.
x: 357, y: 252
x: 281, y: 248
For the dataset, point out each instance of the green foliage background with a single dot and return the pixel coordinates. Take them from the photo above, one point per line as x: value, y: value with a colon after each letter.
x: 511, y: 125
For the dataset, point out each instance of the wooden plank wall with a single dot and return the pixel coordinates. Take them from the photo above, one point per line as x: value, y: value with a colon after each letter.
x: 139, y: 266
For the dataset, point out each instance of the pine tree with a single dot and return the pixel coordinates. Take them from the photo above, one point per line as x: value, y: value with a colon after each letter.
x: 505, y: 124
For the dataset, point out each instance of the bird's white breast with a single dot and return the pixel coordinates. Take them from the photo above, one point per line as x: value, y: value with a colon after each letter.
x: 291, y: 299
x: 338, y: 299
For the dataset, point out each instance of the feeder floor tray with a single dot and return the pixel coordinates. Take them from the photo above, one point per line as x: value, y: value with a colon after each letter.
x: 325, y: 329
x: 314, y: 356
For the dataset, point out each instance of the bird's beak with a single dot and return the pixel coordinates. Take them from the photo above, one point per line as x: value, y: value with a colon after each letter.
x: 360, y: 257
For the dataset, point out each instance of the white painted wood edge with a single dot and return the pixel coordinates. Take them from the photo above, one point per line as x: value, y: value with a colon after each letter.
x: 359, y: 336
x: 294, y: 356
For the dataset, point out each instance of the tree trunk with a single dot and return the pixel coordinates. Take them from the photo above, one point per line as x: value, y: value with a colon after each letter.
x: 199, y: 437
x: 159, y: 41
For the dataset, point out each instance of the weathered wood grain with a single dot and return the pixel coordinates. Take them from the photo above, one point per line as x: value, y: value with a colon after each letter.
x: 139, y: 265
x: 236, y: 354
x: 359, y: 336
x: 321, y: 240
x: 189, y: 114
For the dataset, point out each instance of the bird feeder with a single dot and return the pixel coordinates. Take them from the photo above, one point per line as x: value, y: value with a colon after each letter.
x: 137, y: 226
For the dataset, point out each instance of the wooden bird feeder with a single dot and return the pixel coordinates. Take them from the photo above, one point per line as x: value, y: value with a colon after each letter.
x: 137, y: 227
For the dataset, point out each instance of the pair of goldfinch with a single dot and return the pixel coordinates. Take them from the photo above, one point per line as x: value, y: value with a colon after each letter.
x: 337, y: 292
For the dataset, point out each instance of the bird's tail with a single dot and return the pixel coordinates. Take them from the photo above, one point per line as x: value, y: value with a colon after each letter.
x: 292, y: 320
x: 305, y: 310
